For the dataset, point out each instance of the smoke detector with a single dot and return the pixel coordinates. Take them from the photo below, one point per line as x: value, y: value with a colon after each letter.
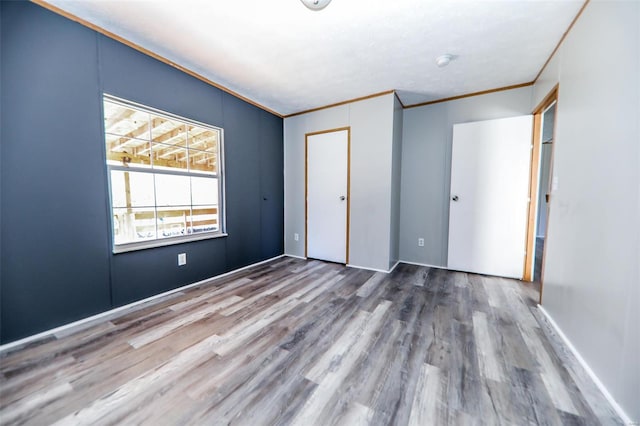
x: 443, y: 60
x: 316, y: 4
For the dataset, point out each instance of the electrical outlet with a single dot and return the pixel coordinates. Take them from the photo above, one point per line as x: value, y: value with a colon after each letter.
x: 420, y: 242
x: 296, y: 237
x: 182, y: 259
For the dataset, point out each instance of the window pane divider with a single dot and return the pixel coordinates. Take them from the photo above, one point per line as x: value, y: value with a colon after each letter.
x: 162, y: 172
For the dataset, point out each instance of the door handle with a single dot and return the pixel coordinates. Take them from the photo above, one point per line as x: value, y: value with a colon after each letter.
x: 342, y: 198
x: 454, y: 198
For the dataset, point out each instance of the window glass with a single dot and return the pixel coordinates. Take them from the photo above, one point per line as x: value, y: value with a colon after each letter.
x: 134, y: 225
x: 173, y: 221
x: 132, y: 189
x: 124, y: 121
x: 204, y: 191
x: 204, y: 219
x: 202, y: 161
x: 122, y: 151
x: 172, y: 190
x: 168, y: 132
x: 167, y: 157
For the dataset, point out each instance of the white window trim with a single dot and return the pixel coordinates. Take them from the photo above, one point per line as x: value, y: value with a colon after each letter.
x: 220, y: 175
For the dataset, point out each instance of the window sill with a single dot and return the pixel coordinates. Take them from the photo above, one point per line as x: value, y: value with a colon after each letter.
x: 142, y: 245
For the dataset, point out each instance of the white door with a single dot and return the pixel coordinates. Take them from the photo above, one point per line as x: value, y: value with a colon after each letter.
x: 327, y: 186
x: 489, y: 196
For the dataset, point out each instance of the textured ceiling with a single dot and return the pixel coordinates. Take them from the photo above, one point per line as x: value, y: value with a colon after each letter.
x: 290, y: 59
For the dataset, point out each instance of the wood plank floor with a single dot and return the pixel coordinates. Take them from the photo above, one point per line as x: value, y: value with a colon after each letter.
x: 295, y: 342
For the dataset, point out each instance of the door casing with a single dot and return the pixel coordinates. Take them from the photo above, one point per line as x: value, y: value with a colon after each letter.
x: 534, y: 174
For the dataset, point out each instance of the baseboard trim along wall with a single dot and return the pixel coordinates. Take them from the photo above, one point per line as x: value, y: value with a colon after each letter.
x: 355, y: 266
x: 374, y: 269
x: 423, y: 264
x: 625, y: 418
x: 349, y: 265
x: 394, y: 266
x: 111, y: 313
x: 294, y: 256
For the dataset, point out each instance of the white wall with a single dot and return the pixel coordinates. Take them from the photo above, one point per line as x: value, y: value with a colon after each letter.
x: 426, y: 167
x: 592, y: 276
x: 371, y: 123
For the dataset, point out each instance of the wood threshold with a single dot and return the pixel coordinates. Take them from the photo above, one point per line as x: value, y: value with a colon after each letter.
x: 148, y: 52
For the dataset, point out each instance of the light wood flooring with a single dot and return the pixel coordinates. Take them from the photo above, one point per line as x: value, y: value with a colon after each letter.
x: 310, y: 343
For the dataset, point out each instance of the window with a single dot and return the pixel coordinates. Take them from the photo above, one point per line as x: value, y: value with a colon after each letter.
x: 165, y: 177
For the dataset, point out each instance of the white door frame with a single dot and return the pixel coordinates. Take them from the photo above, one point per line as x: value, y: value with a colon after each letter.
x: 306, y: 185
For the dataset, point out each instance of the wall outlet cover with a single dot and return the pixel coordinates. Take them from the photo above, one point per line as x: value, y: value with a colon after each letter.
x: 182, y: 259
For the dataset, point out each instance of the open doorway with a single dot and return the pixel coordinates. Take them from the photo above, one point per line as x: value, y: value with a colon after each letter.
x: 540, y: 186
x: 544, y: 189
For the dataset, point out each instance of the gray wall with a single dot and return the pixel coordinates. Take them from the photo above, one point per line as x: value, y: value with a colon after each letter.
x: 371, y: 162
x: 396, y: 179
x: 592, y: 276
x: 426, y: 167
x: 295, y: 129
x: 371, y: 123
x: 56, y: 263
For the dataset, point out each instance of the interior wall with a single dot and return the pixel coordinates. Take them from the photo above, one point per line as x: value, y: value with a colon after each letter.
x: 396, y: 179
x: 371, y: 123
x: 56, y: 264
x: 426, y: 167
x: 592, y: 272
x: 295, y: 129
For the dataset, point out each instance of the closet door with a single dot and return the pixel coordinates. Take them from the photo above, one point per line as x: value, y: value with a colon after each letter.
x: 326, y: 195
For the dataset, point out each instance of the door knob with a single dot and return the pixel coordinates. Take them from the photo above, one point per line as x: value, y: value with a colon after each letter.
x: 454, y: 198
x: 342, y: 198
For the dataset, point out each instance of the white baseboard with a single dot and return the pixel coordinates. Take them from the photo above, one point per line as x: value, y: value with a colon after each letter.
x: 87, y: 322
x: 422, y: 264
x: 294, y: 256
x: 349, y: 265
x: 366, y: 268
x: 618, y: 409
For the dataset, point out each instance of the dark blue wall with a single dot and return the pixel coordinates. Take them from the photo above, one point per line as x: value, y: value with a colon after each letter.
x: 56, y: 260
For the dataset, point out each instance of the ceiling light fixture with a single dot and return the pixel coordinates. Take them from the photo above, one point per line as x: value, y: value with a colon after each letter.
x: 316, y: 4
x: 443, y: 60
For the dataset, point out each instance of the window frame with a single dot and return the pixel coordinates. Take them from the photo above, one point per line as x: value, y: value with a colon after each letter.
x: 219, y: 175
